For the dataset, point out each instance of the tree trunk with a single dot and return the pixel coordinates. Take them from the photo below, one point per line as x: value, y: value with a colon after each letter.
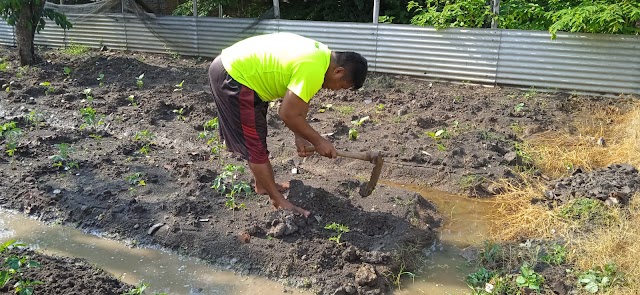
x: 28, y: 18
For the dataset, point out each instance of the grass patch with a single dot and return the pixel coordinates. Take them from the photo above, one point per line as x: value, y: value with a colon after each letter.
x: 601, y: 241
x: 345, y: 110
x: 75, y: 49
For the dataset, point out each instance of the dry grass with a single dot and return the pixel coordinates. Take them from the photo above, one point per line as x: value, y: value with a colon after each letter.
x: 517, y: 219
x: 556, y: 154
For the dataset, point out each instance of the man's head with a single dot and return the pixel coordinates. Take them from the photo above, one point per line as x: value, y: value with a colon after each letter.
x: 347, y: 70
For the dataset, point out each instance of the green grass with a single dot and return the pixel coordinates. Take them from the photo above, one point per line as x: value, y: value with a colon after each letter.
x: 75, y: 49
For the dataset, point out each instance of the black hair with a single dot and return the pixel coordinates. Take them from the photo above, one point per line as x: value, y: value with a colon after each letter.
x: 355, y: 65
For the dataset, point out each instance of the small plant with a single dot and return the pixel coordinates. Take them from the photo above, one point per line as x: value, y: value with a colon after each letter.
x: 146, y: 137
x: 10, y: 132
x: 92, y: 120
x: 438, y: 136
x: 353, y: 134
x: 139, y: 81
x: 225, y: 183
x: 13, y: 267
x: 531, y: 93
x: 132, y: 100
x: 556, y: 255
x: 478, y: 280
x: 67, y: 72
x: 520, y: 149
x: 138, y: 290
x: 50, y: 88
x: 339, y: 229
x: 178, y: 87
x: 402, y: 272
x: 208, y: 133
x: 180, y: 113
x: 135, y: 180
x: 516, y: 128
x: 4, y: 65
x: 379, y: 108
x: 586, y: 211
x: 519, y: 107
x: 490, y: 254
x: 75, y: 49
x: 35, y: 118
x: 100, y: 79
x: 360, y: 121
x: 599, y: 279
x: 345, y: 110
x: 87, y: 95
x: 325, y: 108
x: 529, y: 279
x: 63, y: 158
x: 471, y: 181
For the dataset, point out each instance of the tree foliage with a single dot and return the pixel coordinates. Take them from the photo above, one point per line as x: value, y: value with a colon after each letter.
x: 446, y: 14
x: 10, y: 11
x: 231, y: 8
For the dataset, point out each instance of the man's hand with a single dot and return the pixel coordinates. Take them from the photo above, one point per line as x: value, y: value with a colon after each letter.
x: 301, y: 145
x: 326, y: 149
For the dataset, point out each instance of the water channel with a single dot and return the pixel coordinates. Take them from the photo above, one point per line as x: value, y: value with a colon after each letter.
x: 465, y: 225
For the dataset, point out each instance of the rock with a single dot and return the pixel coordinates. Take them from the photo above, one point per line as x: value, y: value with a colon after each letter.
x: 510, y: 158
x: 601, y: 141
x: 278, y: 230
x: 56, y: 191
x: 366, y: 275
x: 152, y: 230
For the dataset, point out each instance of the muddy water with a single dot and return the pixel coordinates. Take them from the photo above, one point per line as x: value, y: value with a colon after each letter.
x: 163, y: 271
x: 465, y: 224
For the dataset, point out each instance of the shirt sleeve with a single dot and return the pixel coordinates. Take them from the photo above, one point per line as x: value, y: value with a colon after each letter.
x: 306, y: 80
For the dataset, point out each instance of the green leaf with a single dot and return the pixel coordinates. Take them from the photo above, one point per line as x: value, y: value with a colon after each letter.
x: 591, y: 287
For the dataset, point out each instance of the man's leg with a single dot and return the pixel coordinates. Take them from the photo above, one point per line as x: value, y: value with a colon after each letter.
x: 263, y: 174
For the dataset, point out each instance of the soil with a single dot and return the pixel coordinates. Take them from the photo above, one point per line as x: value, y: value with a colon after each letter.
x: 63, y: 275
x: 454, y: 137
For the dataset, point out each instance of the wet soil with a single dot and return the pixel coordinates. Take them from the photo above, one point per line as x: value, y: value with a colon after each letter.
x: 454, y: 137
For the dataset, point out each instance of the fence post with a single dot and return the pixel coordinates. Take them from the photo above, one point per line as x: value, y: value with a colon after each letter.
x: 496, y: 11
x: 195, y: 8
x: 276, y: 9
x: 376, y: 11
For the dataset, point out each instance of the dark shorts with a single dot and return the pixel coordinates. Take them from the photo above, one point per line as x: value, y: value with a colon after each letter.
x: 242, y: 115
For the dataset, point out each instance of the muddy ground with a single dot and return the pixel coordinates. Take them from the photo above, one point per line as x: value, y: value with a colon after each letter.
x: 158, y: 189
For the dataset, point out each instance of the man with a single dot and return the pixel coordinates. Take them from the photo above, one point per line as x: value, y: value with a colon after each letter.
x: 251, y: 73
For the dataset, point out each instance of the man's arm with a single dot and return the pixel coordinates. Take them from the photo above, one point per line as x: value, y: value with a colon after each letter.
x: 293, y: 112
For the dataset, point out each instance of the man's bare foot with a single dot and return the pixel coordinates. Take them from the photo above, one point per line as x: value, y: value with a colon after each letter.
x: 282, y: 187
x: 285, y: 204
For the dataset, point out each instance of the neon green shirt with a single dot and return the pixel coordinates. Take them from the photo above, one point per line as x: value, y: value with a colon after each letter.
x: 270, y: 64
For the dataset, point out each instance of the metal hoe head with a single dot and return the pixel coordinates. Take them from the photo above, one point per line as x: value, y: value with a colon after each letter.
x: 376, y: 159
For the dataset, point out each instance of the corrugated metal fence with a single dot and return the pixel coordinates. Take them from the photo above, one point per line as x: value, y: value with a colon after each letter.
x: 583, y: 62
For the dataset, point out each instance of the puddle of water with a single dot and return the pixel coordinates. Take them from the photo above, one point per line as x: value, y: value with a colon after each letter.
x: 466, y: 223
x: 163, y: 271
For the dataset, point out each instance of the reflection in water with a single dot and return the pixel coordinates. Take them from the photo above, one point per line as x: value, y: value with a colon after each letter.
x: 163, y: 271
x: 466, y: 223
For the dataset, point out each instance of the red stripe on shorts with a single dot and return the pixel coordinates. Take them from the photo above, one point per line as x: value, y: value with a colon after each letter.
x: 257, y: 152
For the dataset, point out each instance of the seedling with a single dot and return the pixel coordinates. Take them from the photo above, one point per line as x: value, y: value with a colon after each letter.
x: 63, y: 157
x: 4, y: 65
x: 87, y: 95
x: 325, y: 108
x: 339, y: 229
x: 556, y: 255
x: 50, y: 88
x: 438, y: 136
x: 353, y: 134
x: 100, y: 79
x: 180, y: 113
x: 211, y: 136
x: 35, y: 118
x: 13, y: 267
x: 135, y: 180
x: 359, y: 122
x: 520, y: 149
x: 397, y: 278
x: 599, y: 279
x: 178, y: 87
x: 132, y: 100
x: 67, y: 71
x: 379, y: 108
x: 139, y: 290
x: 146, y: 137
x: 479, y: 279
x: 529, y: 279
x: 519, y: 107
x: 345, y: 110
x: 11, y: 133
x: 139, y: 81
x: 226, y: 180
x: 91, y: 119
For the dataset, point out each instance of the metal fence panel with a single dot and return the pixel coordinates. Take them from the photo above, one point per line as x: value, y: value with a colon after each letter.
x: 6, y: 34
x: 453, y: 54
x: 584, y: 62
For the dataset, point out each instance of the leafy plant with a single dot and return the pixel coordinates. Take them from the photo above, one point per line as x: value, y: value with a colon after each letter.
x: 180, y: 113
x: 520, y: 149
x: 226, y: 183
x: 325, y: 108
x: 92, y: 120
x: 50, y: 88
x: 146, y: 137
x: 519, y: 107
x: 132, y: 100
x: 360, y: 121
x: 138, y: 290
x: 599, y: 279
x: 478, y: 280
x: 178, y: 87
x: 380, y: 108
x: 10, y: 132
x: 63, y: 157
x: 139, y: 81
x: 208, y: 133
x: 353, y: 134
x: 87, y: 95
x: 339, y: 229
x: 398, y: 276
x: 528, y: 278
x: 4, y: 65
x: 135, y: 179
x: 447, y: 14
x: 13, y: 267
x: 35, y: 118
x: 556, y: 255
x: 75, y: 49
x: 67, y: 71
x: 586, y: 211
x: 345, y: 110
x: 100, y: 79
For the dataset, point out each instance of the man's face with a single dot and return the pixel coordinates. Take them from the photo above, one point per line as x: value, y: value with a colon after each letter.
x: 336, y: 80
